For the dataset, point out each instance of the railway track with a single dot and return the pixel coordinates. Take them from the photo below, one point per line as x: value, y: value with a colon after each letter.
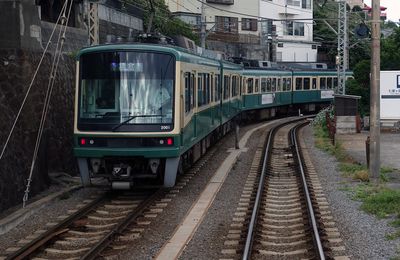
x: 90, y: 230
x: 283, y: 223
x: 282, y: 210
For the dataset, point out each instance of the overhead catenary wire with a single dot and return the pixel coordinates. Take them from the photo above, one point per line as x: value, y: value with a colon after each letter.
x: 50, y: 86
x: 30, y: 86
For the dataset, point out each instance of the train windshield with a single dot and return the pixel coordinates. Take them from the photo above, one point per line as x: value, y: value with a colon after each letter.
x: 126, y: 91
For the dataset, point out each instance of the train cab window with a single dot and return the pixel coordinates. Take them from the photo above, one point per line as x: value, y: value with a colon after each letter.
x: 269, y: 87
x: 314, y: 83
x: 289, y: 84
x: 322, y: 83
x: 306, y: 83
x: 263, y: 85
x: 273, y: 85
x: 217, y: 88
x: 250, y: 86
x: 279, y: 86
x: 227, y: 82
x: 256, y: 86
x: 335, y: 83
x: 284, y: 84
x: 189, y: 91
x: 299, y: 82
x: 329, y: 83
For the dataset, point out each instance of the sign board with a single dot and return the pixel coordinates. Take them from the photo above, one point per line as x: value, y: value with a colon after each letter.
x: 327, y: 94
x: 390, y: 95
x: 267, y: 99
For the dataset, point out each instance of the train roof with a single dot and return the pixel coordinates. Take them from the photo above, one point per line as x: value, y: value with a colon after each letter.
x: 179, y: 53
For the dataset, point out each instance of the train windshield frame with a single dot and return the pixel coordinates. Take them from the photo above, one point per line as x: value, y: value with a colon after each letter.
x: 126, y: 91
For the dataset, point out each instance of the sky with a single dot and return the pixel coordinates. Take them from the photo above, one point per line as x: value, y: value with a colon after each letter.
x: 393, y: 8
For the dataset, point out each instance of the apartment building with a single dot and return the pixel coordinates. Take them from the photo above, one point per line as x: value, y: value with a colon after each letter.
x: 255, y: 29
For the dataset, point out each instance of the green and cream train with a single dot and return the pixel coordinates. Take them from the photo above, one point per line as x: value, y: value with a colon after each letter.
x: 145, y: 112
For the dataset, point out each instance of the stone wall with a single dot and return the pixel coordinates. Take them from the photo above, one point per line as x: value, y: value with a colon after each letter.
x: 16, y: 70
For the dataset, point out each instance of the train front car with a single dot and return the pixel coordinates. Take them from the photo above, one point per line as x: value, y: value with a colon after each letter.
x: 126, y: 125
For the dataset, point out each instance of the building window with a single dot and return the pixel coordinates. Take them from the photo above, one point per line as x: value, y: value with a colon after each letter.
x: 293, y: 2
x: 226, y: 24
x: 249, y: 24
x: 295, y: 28
x: 222, y: 2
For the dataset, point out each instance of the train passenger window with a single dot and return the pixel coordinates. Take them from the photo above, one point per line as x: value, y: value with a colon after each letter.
x: 200, y: 89
x: 284, y: 84
x: 278, y: 86
x: 269, y: 85
x: 263, y: 85
x: 206, y: 99
x: 299, y: 81
x: 235, y: 86
x: 322, y: 83
x: 289, y: 84
x: 250, y: 86
x: 227, y: 82
x: 212, y: 87
x: 314, y: 83
x: 335, y: 83
x: 306, y: 83
x: 329, y: 83
x: 189, y: 91
x: 256, y: 86
x: 217, y: 88
x: 273, y: 89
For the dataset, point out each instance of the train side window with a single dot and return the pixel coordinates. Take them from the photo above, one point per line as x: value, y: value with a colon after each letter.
x: 263, y: 85
x: 314, y: 83
x: 278, y: 85
x: 335, y: 83
x: 189, y: 92
x: 322, y: 83
x: 199, y: 89
x: 284, y: 84
x: 207, y: 88
x: 217, y: 88
x: 269, y: 87
x: 226, y: 87
x: 250, y: 86
x: 299, y: 81
x: 306, y: 83
x: 234, y: 86
x: 256, y: 86
x: 329, y: 83
x: 289, y: 84
x: 273, y: 85
x: 212, y: 87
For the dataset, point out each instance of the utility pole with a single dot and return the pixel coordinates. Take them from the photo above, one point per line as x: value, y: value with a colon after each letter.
x: 343, y: 47
x: 203, y: 26
x: 375, y: 127
x: 152, y: 11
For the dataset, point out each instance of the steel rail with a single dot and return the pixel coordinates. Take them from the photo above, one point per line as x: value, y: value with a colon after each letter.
x: 117, y: 230
x: 257, y: 202
x: 313, y: 222
x: 58, y: 229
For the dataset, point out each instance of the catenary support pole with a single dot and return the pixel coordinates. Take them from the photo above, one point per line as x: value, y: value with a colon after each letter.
x: 203, y: 27
x: 374, y: 147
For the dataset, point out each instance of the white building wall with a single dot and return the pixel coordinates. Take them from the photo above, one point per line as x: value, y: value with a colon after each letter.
x: 296, y: 48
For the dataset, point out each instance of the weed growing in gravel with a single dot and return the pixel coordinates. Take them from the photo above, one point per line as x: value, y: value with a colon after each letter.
x: 393, y: 236
x: 380, y: 201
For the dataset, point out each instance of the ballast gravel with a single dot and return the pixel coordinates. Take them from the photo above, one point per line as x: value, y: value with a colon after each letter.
x: 363, y: 234
x: 47, y: 214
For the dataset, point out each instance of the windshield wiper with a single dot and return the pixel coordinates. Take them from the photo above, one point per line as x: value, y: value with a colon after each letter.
x: 133, y: 117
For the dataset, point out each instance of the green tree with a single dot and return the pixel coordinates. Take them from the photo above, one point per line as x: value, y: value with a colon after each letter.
x: 163, y: 22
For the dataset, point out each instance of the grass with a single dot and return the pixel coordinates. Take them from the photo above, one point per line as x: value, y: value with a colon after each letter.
x: 376, y: 199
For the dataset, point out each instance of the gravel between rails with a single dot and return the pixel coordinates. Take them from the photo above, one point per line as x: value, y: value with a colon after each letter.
x: 363, y: 234
x: 47, y: 214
